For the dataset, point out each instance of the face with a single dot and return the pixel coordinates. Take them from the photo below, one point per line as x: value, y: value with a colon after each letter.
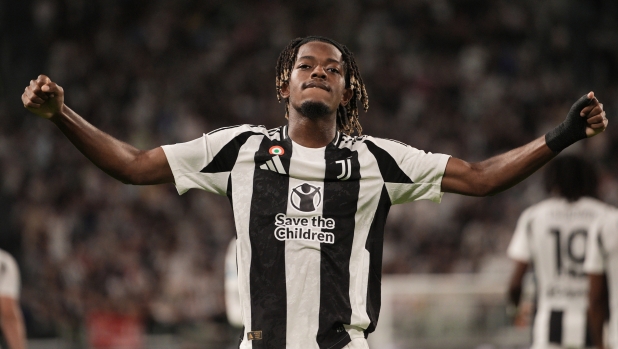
x: 317, y: 76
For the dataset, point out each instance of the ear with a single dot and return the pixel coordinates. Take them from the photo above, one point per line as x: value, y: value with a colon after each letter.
x: 347, y: 95
x: 285, y: 90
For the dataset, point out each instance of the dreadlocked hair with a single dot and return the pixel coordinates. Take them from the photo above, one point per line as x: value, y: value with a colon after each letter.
x: 347, y: 117
x: 571, y: 177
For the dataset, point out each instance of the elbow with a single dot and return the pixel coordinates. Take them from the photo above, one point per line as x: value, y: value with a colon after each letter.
x: 596, y: 303
x: 493, y: 191
x: 132, y: 179
x: 127, y: 181
x: 132, y: 172
x: 10, y: 315
x: 483, y: 188
x: 124, y: 176
x: 487, y: 181
x: 489, y: 186
x: 486, y: 191
x: 480, y: 182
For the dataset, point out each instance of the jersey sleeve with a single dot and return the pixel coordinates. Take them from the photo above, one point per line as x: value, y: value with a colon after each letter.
x: 206, y: 163
x: 409, y: 174
x: 9, y: 276
x: 519, y: 247
x: 595, y: 256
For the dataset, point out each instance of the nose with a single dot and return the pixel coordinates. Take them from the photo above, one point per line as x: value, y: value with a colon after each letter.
x: 318, y: 72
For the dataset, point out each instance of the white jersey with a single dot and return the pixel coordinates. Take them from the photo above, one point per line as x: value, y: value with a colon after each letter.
x: 551, y: 236
x: 309, y: 225
x: 9, y: 276
x: 602, y: 258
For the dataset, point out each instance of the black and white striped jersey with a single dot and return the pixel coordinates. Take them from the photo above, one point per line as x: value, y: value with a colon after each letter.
x: 602, y: 258
x: 552, y: 236
x: 309, y: 225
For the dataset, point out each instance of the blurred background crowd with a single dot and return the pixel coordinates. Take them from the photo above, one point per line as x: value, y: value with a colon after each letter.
x: 470, y: 78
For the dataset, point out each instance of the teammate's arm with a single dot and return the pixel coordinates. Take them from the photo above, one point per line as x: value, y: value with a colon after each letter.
x: 598, y: 307
x: 585, y: 119
x: 12, y: 323
x: 516, y: 282
x: 118, y: 159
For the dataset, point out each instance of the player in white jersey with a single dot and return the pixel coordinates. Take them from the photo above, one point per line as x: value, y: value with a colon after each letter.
x: 310, y: 201
x: 11, y: 319
x: 602, y: 267
x: 551, y: 238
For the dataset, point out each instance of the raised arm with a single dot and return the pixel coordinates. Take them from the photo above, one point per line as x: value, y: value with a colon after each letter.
x: 585, y: 119
x: 118, y: 159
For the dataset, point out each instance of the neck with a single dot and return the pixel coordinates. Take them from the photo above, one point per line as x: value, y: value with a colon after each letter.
x: 312, y: 133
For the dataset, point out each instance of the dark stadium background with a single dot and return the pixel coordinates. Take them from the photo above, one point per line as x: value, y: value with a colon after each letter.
x: 471, y: 78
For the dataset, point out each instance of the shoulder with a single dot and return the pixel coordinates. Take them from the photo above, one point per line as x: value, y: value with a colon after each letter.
x: 606, y: 230
x: 593, y: 208
x: 596, y: 203
x: 220, y: 137
x: 381, y: 142
x: 238, y: 129
x: 375, y: 144
x: 609, y: 219
x: 541, y: 207
x: 231, y: 132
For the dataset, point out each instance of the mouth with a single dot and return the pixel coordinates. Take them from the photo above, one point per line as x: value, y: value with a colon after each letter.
x: 316, y: 84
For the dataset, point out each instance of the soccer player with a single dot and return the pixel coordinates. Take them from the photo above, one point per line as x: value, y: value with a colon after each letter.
x: 11, y: 319
x: 602, y: 267
x: 310, y: 201
x: 551, y: 236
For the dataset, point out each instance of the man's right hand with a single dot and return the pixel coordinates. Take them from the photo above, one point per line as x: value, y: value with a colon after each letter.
x: 43, y: 97
x: 118, y: 159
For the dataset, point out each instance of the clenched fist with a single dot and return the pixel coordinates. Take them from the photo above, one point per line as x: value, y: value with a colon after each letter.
x: 43, y: 97
x: 585, y: 119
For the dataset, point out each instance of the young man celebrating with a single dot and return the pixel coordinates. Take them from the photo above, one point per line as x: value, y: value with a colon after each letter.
x: 310, y: 201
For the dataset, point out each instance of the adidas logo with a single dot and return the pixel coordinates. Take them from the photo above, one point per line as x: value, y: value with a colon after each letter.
x: 274, y: 165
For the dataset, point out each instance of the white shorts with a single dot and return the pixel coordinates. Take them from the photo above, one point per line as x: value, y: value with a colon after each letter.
x: 358, y: 343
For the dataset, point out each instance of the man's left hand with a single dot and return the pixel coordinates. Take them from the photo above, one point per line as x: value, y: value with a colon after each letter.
x: 595, y: 116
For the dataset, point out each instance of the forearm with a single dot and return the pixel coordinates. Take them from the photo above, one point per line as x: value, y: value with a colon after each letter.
x: 596, y: 319
x: 497, y: 173
x: 515, y: 295
x: 586, y: 118
x: 516, y: 282
x: 505, y: 170
x: 116, y: 158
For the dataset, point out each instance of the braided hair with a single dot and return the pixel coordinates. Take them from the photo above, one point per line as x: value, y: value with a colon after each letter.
x: 347, y: 117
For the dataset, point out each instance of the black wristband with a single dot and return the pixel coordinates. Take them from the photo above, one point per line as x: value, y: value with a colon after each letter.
x: 571, y: 130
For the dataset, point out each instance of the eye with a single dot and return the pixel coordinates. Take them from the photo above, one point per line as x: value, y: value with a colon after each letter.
x: 333, y: 70
x: 303, y: 66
